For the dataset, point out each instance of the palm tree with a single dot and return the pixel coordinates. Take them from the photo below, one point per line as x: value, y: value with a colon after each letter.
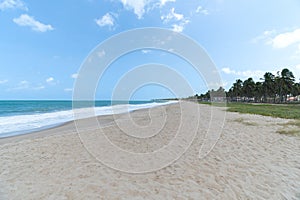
x: 286, y: 84
x: 237, y: 89
x: 268, y: 85
x: 296, y: 89
x: 270, y: 90
x: 248, y: 88
x: 258, y: 91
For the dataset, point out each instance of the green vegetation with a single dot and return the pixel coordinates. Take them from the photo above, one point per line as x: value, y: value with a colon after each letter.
x: 290, y: 128
x: 275, y: 96
x: 280, y: 88
x: 289, y: 132
x: 287, y: 111
x: 294, y: 123
x: 290, y: 111
x: 243, y: 121
x: 218, y: 104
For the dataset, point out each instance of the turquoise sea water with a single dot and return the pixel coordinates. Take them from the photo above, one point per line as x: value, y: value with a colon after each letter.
x: 19, y: 117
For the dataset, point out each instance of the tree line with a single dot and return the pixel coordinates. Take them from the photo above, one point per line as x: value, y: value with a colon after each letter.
x: 278, y: 88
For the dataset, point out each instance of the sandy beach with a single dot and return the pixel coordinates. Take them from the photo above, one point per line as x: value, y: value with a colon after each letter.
x: 250, y: 160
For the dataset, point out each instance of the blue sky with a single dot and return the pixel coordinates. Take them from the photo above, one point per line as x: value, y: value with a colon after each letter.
x: 43, y: 44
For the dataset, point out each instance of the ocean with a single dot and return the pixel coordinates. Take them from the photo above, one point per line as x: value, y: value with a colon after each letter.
x: 21, y: 117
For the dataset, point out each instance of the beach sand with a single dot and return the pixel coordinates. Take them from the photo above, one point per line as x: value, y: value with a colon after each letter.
x: 249, y: 161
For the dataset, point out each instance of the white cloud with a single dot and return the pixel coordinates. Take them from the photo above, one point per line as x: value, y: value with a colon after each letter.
x: 12, y: 4
x: 68, y: 89
x: 296, y: 54
x: 266, y: 37
x: 101, y: 53
x: 3, y: 81
x: 25, y: 85
x: 286, y: 39
x: 202, y: 10
x: 163, y: 2
x: 26, y: 20
x: 256, y: 74
x: 172, y: 16
x: 138, y: 6
x: 227, y: 70
x: 146, y: 51
x: 74, y: 76
x: 269, y: 33
x: 279, y: 41
x: 106, y: 20
x: 179, y: 21
x: 177, y: 28
x: 50, y: 79
x: 38, y: 87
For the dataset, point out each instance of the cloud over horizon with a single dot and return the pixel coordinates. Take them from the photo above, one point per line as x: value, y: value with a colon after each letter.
x: 26, y: 85
x: 3, y: 81
x: 255, y: 74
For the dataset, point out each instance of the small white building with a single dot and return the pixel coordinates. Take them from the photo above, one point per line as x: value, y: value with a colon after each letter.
x: 296, y: 98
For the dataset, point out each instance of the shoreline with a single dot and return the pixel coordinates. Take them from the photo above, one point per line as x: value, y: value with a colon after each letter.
x: 68, y: 126
x: 63, y: 128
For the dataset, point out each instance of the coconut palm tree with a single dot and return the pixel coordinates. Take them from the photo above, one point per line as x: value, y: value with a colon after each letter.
x: 268, y: 85
x: 296, y: 89
x: 237, y: 89
x: 286, y: 83
x: 258, y: 91
x: 248, y: 88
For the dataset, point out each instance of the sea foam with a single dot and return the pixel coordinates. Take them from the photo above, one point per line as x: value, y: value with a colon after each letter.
x: 22, y: 124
